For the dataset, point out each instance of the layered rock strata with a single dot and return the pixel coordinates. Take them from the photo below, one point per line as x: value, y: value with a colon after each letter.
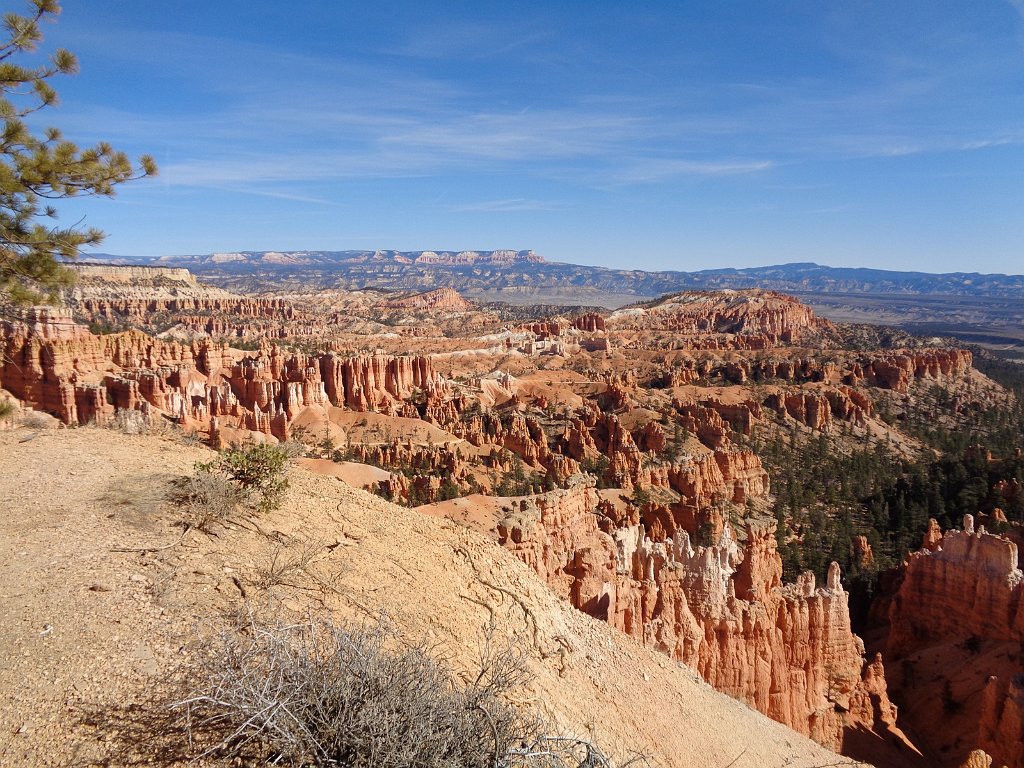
x: 967, y: 583
x: 772, y: 317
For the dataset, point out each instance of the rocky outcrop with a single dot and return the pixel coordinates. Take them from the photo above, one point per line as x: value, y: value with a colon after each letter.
x: 86, y: 274
x: 500, y: 258
x: 786, y: 650
x: 961, y: 590
x: 896, y: 371
x: 439, y: 300
x: 159, y: 299
x: 1001, y: 725
x: 977, y: 759
x: 591, y: 322
x: 758, y: 319
x: 818, y: 408
x: 969, y: 583
x: 142, y: 310
x: 80, y: 377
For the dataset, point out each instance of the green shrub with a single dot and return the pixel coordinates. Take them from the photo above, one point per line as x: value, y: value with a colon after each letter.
x: 257, y: 469
x: 253, y: 475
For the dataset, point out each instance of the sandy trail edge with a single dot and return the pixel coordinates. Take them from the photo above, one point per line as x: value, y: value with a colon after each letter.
x: 86, y: 631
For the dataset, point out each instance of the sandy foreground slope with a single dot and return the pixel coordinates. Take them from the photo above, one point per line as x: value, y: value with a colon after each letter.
x: 89, y: 632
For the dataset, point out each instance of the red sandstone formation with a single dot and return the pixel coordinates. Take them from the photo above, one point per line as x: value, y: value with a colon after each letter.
x: 1001, y: 725
x: 79, y: 377
x: 863, y: 551
x: 970, y: 584
x: 966, y: 587
x: 439, y: 300
x: 757, y: 319
x: 589, y: 323
x: 897, y: 370
x: 142, y: 309
x: 788, y: 651
x: 886, y: 370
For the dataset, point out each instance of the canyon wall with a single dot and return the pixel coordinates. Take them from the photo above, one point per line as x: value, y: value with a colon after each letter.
x: 966, y: 583
x: 721, y: 609
x: 773, y: 317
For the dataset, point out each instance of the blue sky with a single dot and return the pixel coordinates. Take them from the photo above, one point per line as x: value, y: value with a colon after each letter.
x: 659, y: 135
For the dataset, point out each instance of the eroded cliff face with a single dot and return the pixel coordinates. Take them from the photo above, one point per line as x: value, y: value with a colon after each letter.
x: 721, y: 609
x: 440, y: 300
x: 59, y: 367
x: 966, y: 583
x: 960, y: 601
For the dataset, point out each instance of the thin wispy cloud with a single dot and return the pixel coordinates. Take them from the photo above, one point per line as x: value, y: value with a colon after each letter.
x: 467, y: 41
x: 304, y: 117
x: 653, y: 170
x: 515, y: 205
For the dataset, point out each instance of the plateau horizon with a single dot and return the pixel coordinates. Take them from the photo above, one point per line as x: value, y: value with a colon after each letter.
x: 500, y: 256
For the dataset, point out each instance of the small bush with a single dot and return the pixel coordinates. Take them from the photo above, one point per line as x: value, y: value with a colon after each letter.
x: 251, y: 476
x: 6, y: 409
x: 257, y: 469
x: 294, y: 448
x: 37, y: 419
x: 322, y: 694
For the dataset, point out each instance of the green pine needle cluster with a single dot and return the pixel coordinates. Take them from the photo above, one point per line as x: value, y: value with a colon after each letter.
x: 37, y: 169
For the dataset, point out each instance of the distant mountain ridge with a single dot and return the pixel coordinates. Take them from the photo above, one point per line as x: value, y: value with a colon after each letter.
x: 977, y: 308
x: 297, y: 259
x: 484, y: 273
x: 811, y: 277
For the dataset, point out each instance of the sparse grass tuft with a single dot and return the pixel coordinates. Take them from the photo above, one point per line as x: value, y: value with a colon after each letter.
x: 286, y: 560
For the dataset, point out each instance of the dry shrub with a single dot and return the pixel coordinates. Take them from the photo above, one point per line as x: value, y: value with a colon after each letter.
x: 251, y: 476
x: 206, y: 498
x: 293, y: 448
x: 318, y: 693
x: 38, y: 419
x: 129, y: 422
x: 286, y: 560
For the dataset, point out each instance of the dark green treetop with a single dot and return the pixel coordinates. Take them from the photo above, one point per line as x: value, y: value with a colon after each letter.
x: 37, y: 169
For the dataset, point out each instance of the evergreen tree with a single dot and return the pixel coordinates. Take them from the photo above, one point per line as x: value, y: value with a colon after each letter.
x: 36, y: 169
